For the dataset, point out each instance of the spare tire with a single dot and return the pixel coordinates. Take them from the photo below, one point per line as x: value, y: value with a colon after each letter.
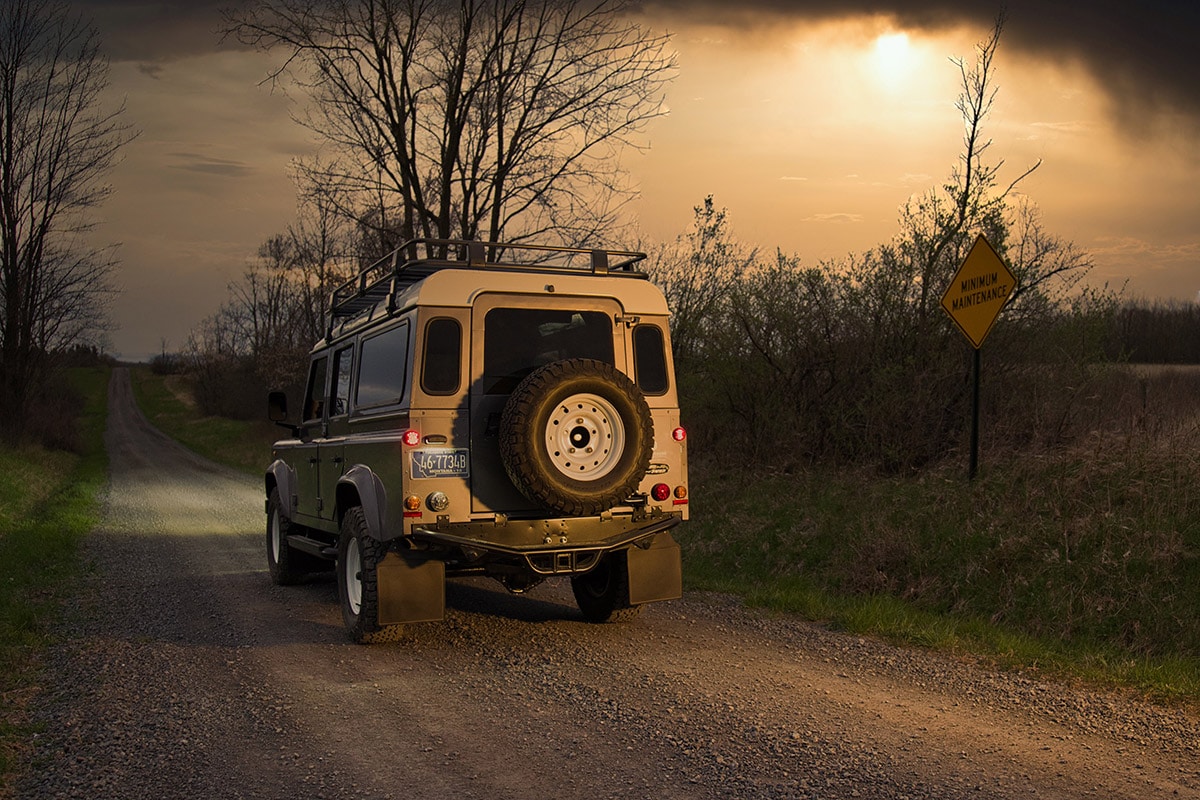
x: 576, y: 437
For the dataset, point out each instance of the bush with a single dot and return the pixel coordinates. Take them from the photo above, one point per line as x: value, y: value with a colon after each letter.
x: 228, y: 387
x: 52, y: 421
x: 1158, y: 332
x: 856, y: 362
x: 167, y: 364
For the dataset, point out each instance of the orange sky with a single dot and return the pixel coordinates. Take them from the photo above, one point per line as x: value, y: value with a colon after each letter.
x: 811, y: 130
x: 814, y: 136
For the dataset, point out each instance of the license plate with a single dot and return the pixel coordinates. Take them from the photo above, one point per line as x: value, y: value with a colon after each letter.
x: 440, y: 464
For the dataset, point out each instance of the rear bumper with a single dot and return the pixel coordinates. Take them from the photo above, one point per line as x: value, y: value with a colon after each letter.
x: 548, y: 547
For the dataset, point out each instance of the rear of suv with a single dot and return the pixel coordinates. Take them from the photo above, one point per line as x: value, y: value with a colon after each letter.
x: 482, y: 409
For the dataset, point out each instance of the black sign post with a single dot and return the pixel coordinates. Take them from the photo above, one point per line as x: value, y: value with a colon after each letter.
x: 974, y: 298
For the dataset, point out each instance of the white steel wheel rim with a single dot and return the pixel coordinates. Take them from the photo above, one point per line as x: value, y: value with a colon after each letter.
x: 585, y: 437
x: 352, y: 570
x: 276, y: 537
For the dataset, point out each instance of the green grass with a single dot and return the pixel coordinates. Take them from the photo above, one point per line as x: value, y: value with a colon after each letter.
x: 243, y: 445
x: 1082, y: 565
x: 49, y: 501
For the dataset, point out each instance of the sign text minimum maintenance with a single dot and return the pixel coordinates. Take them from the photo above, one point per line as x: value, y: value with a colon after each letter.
x: 978, y: 291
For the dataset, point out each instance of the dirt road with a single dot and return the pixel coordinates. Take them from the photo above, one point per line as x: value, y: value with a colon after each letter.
x: 186, y: 674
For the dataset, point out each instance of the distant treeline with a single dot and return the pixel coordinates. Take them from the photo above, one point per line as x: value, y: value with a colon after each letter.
x: 1155, y: 332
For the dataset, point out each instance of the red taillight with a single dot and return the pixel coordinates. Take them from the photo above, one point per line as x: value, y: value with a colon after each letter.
x: 660, y: 492
x: 679, y: 434
x: 411, y: 438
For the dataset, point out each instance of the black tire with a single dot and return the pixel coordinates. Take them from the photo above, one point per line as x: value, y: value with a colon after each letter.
x: 576, y: 437
x: 287, y: 566
x: 602, y: 594
x: 358, y: 591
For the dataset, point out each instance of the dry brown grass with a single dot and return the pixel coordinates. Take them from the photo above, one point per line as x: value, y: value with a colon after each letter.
x: 1087, y: 543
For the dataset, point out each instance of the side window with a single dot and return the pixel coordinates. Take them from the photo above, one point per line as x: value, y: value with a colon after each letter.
x: 314, y: 398
x: 342, y: 361
x: 383, y: 362
x: 650, y: 359
x: 440, y: 363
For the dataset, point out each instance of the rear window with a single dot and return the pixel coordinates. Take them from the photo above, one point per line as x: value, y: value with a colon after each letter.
x: 440, y: 365
x: 650, y: 359
x: 519, y: 340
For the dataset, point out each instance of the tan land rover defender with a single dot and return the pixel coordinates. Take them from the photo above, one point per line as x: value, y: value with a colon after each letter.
x: 471, y: 413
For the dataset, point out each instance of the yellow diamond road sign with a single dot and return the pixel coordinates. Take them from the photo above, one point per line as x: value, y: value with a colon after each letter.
x: 979, y: 290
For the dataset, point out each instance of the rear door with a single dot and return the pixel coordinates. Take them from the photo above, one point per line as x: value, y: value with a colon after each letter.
x: 511, y: 336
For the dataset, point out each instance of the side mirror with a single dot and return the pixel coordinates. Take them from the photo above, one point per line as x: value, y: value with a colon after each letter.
x: 277, y: 406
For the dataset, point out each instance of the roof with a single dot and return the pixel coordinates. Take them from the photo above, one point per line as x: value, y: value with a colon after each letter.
x: 404, y: 278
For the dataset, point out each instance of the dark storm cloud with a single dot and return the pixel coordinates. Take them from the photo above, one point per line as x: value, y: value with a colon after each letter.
x: 154, y: 31
x: 1143, y: 53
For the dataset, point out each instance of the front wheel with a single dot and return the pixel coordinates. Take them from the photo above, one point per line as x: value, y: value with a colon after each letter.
x: 603, y: 593
x: 287, y: 567
x: 358, y: 587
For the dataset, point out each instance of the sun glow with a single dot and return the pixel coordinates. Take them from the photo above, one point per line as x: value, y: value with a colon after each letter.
x: 893, y: 59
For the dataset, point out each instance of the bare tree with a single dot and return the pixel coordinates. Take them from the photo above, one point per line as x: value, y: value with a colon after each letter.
x: 938, y: 225
x: 324, y: 257
x: 56, y: 144
x: 480, y: 119
x: 699, y: 273
x: 274, y: 312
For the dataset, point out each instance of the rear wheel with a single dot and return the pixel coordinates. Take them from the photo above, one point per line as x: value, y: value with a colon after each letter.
x: 358, y: 588
x: 603, y: 593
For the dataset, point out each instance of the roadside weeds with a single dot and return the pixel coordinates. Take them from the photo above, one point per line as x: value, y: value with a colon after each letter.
x: 49, y: 501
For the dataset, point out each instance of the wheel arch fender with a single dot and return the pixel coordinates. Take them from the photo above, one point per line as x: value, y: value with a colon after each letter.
x: 282, y: 477
x: 362, y: 487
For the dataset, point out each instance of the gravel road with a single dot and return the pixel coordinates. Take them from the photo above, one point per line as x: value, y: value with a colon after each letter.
x: 185, y: 674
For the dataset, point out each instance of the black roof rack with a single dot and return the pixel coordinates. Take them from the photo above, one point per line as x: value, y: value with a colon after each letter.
x: 405, y: 266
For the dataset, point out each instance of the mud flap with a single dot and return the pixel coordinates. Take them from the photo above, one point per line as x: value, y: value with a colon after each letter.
x: 410, y: 590
x: 655, y: 574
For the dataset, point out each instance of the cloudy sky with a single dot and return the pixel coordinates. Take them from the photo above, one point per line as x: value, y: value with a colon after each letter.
x: 811, y: 121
